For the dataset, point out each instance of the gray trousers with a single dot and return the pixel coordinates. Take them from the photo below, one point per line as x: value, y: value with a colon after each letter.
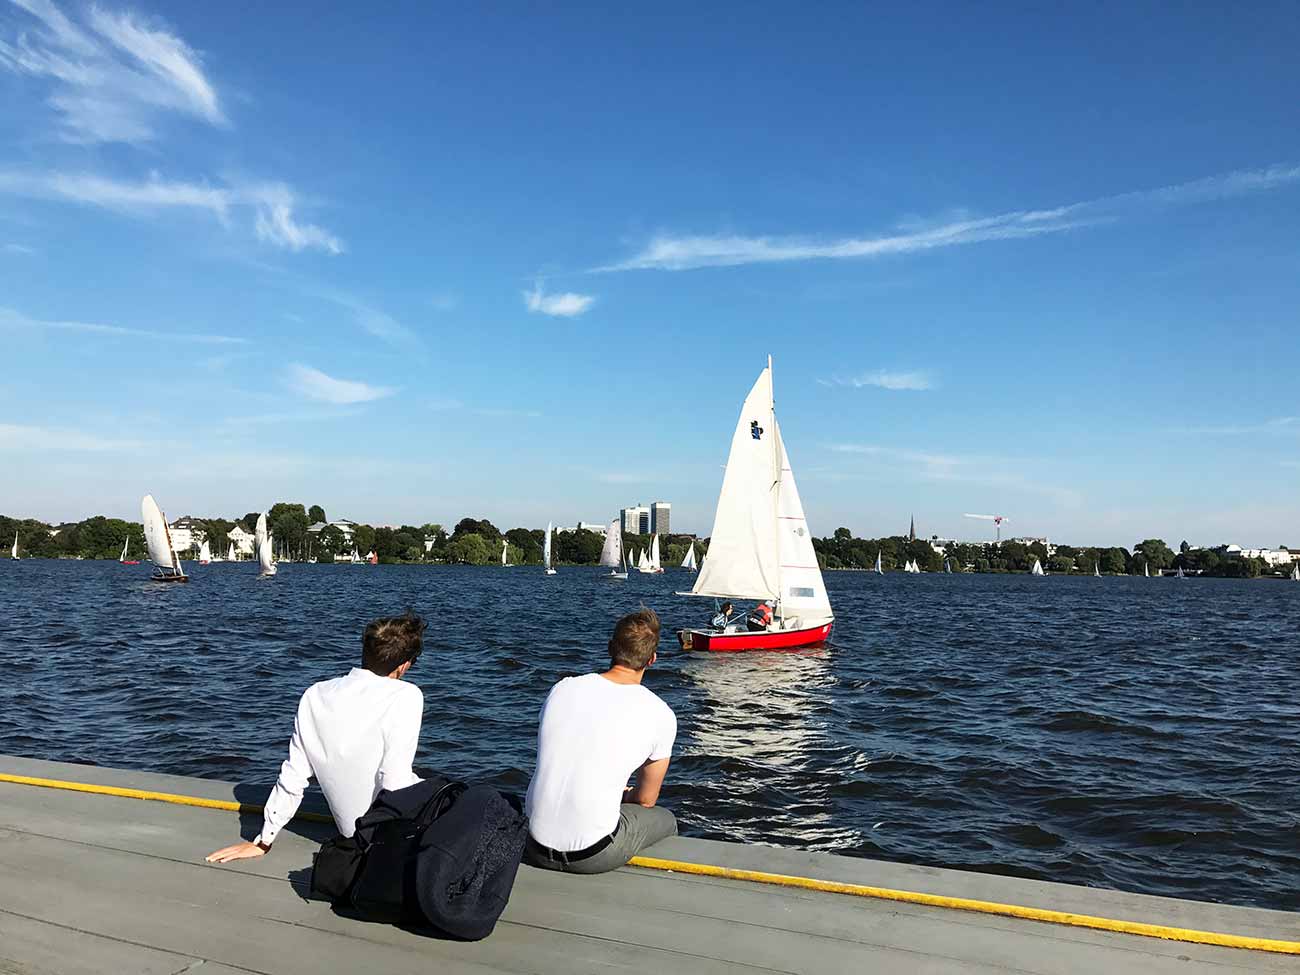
x: 638, y: 827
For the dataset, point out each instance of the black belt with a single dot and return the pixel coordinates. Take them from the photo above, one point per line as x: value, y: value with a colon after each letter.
x: 565, y: 856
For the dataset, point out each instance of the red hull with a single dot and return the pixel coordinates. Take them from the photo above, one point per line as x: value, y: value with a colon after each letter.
x: 129, y: 561
x: 761, y: 640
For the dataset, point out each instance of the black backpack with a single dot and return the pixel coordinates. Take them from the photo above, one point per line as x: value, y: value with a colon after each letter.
x: 437, y: 852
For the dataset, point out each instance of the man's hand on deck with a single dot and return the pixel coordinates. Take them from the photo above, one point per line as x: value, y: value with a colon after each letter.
x: 240, y: 851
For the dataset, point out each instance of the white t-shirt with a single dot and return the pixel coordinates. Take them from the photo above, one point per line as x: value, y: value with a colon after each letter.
x: 593, y: 734
x: 355, y: 735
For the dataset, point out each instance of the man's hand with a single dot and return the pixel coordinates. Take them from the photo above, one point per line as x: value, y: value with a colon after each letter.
x: 240, y: 851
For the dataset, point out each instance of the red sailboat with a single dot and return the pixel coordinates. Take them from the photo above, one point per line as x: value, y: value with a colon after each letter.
x: 761, y: 548
x: 124, y: 560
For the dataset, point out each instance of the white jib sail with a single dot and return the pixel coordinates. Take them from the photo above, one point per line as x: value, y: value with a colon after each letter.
x: 230, y: 553
x: 546, y: 546
x: 14, y: 551
x: 205, y: 552
x: 654, y: 554
x: 126, y: 544
x: 156, y: 536
x: 689, y: 561
x: 743, y: 560
x: 611, y: 552
x: 803, y: 593
x: 505, y: 547
x: 1038, y: 568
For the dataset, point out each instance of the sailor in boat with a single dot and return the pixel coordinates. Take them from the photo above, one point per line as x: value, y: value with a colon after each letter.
x: 760, y: 618
x: 723, y: 618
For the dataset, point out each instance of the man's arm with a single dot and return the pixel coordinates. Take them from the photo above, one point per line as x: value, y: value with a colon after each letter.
x: 649, y: 780
x: 401, y: 738
x: 282, y: 803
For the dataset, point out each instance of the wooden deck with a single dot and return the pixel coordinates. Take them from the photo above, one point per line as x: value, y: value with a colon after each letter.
x: 100, y: 884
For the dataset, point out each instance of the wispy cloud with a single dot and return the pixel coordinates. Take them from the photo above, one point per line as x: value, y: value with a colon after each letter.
x: 271, y: 205
x: 676, y: 252
x: 1281, y: 424
x: 14, y: 319
x: 317, y: 385
x: 111, y: 75
x: 15, y: 436
x: 884, y: 379
x: 975, y: 469
x: 18, y: 249
x: 564, y: 305
x: 372, y: 320
x: 276, y: 223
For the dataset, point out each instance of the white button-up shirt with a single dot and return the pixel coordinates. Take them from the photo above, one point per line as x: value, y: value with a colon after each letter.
x: 355, y: 735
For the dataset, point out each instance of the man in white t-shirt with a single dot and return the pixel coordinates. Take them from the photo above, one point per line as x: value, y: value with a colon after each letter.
x: 355, y: 735
x: 595, y: 732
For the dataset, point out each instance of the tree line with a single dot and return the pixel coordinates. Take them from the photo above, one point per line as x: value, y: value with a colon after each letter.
x: 473, y: 541
x: 843, y: 551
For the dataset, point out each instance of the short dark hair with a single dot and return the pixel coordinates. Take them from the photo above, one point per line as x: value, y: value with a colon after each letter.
x: 391, y: 641
x: 635, y: 639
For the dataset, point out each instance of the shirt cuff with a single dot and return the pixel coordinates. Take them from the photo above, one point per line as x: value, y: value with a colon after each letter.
x: 266, y: 837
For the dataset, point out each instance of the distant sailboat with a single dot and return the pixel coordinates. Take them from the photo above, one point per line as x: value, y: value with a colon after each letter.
x: 911, y: 566
x: 1179, y: 573
x: 611, y: 554
x: 263, y: 542
x: 159, y: 540
x: 205, y: 553
x: 879, y: 570
x: 126, y: 544
x: 947, y: 567
x: 1037, y: 570
x: 1096, y: 569
x: 546, y: 551
x: 1295, y: 573
x: 230, y: 553
x: 689, y: 561
x: 505, y: 550
x: 652, y: 563
x: 13, y: 553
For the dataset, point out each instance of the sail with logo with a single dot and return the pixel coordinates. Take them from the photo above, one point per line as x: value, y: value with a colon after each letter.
x: 760, y: 547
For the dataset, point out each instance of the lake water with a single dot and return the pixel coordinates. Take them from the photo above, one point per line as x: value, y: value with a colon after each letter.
x: 1129, y: 733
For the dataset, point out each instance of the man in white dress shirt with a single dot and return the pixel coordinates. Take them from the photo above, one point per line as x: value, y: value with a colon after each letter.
x: 355, y: 735
x: 597, y: 731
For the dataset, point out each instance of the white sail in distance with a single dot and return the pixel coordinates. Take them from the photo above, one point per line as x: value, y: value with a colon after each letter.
x: 205, y: 552
x: 505, y: 549
x: 157, y: 537
x: 654, y: 555
x: 230, y: 553
x: 546, y: 548
x: 13, y: 553
x: 125, y: 545
x: 611, y: 553
x: 879, y: 569
x: 263, y: 541
x: 689, y: 561
x: 1037, y: 569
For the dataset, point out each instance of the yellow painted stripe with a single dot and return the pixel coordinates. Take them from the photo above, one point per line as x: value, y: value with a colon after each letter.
x: 759, y: 877
x: 169, y: 797
x: 982, y: 907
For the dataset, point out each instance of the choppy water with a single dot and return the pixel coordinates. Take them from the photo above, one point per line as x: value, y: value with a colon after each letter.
x: 1129, y: 733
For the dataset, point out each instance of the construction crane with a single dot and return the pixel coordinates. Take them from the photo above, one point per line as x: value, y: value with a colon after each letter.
x: 996, y: 519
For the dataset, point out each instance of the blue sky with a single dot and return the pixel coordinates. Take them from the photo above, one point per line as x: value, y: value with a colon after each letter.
x: 525, y: 264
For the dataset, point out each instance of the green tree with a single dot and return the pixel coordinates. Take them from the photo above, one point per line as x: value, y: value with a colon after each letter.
x: 364, y: 538
x: 1114, y: 561
x: 525, y: 546
x: 316, y: 514
x: 467, y: 548
x: 1154, y: 553
x: 476, y: 526
x: 580, y: 547
x: 329, y: 543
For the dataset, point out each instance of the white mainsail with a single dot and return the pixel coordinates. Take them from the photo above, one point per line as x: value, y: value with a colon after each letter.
x: 546, y: 550
x: 158, y: 538
x: 689, y: 562
x: 760, y: 546
x: 880, y: 570
x: 205, y: 553
x: 263, y: 542
x: 1180, y: 573
x: 1096, y: 569
x: 1037, y: 569
x: 1145, y: 573
x: 125, y: 544
x: 611, y: 553
x: 230, y: 553
x: 654, y: 555
x: 1295, y: 573
x: 505, y: 548
x: 13, y: 554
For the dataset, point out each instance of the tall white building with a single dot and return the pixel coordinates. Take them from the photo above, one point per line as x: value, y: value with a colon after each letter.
x: 636, y: 521
x: 661, y: 517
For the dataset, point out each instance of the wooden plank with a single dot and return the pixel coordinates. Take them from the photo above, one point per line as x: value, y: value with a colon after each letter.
x: 33, y: 947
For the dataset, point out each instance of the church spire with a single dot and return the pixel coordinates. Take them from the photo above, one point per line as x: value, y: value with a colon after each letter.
x: 911, y: 532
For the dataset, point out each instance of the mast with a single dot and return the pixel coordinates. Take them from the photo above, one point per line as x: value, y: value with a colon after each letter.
x: 776, y: 472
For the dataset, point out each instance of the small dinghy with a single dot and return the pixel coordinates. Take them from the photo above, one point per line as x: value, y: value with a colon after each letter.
x: 158, y: 538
